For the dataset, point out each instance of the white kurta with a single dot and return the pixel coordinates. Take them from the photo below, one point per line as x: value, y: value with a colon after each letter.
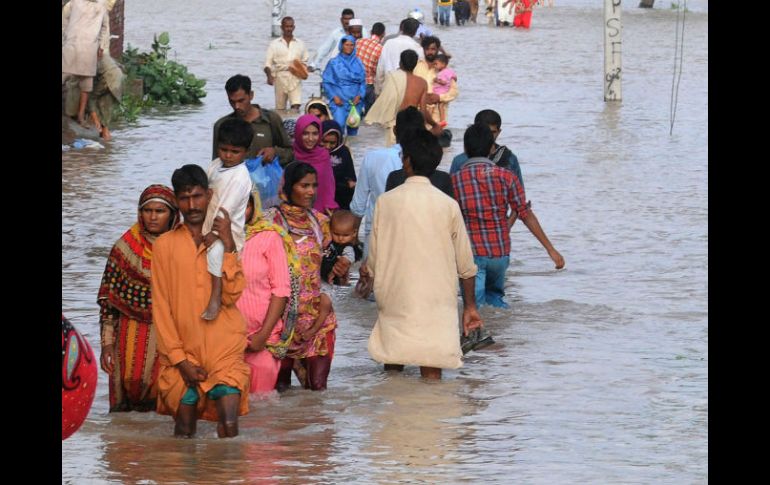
x: 85, y: 28
x: 279, y: 55
x: 391, y: 57
x: 385, y: 108
x: 418, y: 249
x: 232, y: 189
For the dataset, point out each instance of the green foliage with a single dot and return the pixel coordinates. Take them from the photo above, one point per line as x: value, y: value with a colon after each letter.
x: 129, y: 108
x: 166, y: 82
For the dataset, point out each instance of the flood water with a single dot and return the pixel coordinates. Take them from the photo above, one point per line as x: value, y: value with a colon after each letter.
x: 600, y: 374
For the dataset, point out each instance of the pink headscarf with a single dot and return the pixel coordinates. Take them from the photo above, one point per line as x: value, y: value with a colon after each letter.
x: 318, y: 157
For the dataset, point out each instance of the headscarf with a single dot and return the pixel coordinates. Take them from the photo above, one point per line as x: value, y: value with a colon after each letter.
x: 257, y: 224
x: 256, y: 214
x: 331, y: 126
x: 344, y: 75
x: 318, y: 158
x: 318, y: 101
x: 351, y: 61
x: 125, y: 284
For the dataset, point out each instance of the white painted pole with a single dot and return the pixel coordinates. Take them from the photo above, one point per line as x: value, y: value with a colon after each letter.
x: 612, y: 50
x: 279, y: 12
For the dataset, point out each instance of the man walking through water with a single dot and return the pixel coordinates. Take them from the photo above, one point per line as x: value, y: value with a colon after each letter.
x: 401, y: 90
x: 270, y: 138
x: 202, y: 369
x: 486, y: 193
x: 285, y: 66
x: 329, y: 46
x: 416, y: 258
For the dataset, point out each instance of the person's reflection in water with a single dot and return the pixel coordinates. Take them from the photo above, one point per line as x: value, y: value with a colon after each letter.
x: 415, y: 437
x: 289, y: 441
x: 161, y: 460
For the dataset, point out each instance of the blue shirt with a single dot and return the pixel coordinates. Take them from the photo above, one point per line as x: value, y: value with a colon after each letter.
x: 372, y: 176
x: 422, y: 30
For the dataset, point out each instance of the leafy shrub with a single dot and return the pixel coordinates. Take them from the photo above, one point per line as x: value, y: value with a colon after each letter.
x: 166, y: 82
x: 129, y: 108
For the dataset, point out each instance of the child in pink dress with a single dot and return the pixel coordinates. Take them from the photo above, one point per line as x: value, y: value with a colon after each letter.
x: 442, y: 83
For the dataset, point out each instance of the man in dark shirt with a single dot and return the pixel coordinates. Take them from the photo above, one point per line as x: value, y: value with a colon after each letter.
x: 270, y: 138
x: 501, y: 155
x: 462, y: 11
x: 440, y: 180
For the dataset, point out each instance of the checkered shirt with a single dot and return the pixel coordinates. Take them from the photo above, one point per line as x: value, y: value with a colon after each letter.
x: 484, y: 192
x: 369, y: 51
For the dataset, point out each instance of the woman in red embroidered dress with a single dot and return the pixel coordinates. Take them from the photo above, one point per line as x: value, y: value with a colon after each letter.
x: 129, y: 353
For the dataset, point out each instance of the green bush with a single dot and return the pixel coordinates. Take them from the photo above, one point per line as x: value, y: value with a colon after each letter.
x: 165, y: 82
x: 129, y: 108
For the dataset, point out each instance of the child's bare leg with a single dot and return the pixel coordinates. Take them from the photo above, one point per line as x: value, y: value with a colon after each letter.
x: 324, y: 309
x: 105, y: 133
x: 82, y: 107
x: 442, y: 114
x: 95, y: 121
x: 216, y: 297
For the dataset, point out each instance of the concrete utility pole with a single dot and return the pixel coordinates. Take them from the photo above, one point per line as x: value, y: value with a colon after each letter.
x: 279, y: 12
x: 612, y: 50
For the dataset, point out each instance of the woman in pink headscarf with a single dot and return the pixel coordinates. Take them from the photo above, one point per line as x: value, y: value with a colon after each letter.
x: 307, y: 148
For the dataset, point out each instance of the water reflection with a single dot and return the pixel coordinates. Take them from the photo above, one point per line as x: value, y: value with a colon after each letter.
x: 413, y: 437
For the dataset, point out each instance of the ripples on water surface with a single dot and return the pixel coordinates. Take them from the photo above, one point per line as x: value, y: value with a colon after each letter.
x: 600, y: 372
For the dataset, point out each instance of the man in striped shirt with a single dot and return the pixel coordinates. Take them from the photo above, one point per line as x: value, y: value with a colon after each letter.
x: 369, y: 51
x: 485, y: 192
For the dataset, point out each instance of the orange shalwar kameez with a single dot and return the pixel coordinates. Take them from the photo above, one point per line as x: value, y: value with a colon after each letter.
x: 181, y: 286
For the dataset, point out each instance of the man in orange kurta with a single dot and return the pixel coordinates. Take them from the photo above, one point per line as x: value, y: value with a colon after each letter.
x: 202, y: 369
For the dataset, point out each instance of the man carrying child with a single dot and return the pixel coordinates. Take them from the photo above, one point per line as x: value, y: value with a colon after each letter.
x: 202, y: 369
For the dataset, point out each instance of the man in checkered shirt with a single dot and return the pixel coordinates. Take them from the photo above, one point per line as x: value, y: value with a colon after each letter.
x: 485, y: 192
x: 369, y: 51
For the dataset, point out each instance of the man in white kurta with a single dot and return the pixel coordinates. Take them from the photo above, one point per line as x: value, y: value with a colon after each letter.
x: 85, y: 28
x: 280, y: 54
x: 418, y: 249
x: 390, y: 58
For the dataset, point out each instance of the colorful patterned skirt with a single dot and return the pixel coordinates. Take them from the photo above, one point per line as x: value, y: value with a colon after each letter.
x: 133, y: 381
